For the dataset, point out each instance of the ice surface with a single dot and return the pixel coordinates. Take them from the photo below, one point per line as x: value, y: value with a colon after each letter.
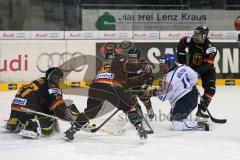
x: 221, y: 143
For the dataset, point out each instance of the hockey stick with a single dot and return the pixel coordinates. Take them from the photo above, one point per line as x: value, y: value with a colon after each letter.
x: 151, y: 130
x: 104, y: 122
x: 139, y: 111
x: 74, y: 127
x: 215, y: 120
x: 83, y: 128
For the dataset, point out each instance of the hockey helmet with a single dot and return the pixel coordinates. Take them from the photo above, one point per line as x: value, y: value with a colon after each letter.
x: 110, y: 55
x: 200, y: 34
x: 54, y: 75
x: 110, y: 50
x: 167, y: 63
x: 168, y: 59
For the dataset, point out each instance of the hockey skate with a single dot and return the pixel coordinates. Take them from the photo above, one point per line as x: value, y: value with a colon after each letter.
x: 141, y: 131
x: 202, y: 116
x: 69, y: 134
x: 204, y: 126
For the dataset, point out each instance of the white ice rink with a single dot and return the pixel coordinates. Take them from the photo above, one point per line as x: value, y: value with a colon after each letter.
x: 221, y: 143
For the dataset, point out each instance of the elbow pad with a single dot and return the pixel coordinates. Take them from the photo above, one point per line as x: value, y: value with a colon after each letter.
x: 63, y: 112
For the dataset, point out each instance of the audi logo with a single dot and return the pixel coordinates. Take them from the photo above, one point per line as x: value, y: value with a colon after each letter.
x: 66, y: 61
x: 124, y: 46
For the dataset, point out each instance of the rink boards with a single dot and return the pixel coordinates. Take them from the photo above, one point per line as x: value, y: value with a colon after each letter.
x: 22, y: 61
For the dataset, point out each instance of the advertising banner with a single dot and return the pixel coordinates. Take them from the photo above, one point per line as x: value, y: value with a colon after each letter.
x: 115, y: 35
x: 81, y: 35
x: 146, y: 35
x: 7, y: 35
x: 22, y: 61
x: 158, y: 20
x: 25, y: 60
x: 42, y: 35
x: 227, y: 61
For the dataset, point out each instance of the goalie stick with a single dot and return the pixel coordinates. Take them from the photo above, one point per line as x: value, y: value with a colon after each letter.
x: 83, y: 128
x: 215, y: 120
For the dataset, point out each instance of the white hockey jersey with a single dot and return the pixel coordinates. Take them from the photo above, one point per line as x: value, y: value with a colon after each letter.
x: 177, y: 83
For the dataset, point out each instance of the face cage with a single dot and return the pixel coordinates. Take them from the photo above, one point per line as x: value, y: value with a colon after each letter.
x: 56, y: 80
x: 133, y: 59
x: 163, y: 69
x: 199, y: 38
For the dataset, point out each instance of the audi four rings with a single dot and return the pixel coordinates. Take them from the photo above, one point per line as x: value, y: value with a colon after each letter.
x: 47, y: 60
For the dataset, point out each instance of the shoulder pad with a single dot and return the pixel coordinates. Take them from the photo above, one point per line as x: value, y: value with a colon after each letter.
x: 55, y: 90
x: 211, y: 50
x: 188, y: 39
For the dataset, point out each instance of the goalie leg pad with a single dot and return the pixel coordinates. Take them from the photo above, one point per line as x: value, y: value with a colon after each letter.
x: 32, y: 129
x: 14, y: 125
x: 39, y: 127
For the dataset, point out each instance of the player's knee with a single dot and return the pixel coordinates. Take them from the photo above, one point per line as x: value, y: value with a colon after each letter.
x: 48, y: 126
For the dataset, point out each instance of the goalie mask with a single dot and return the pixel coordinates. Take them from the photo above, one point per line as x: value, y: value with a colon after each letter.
x: 54, y: 76
x: 200, y: 34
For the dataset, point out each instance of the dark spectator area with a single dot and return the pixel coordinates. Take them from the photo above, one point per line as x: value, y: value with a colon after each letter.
x: 67, y: 14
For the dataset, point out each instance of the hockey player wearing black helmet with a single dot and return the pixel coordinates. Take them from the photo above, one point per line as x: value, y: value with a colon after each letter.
x: 201, y: 58
x: 200, y: 34
x: 140, y: 67
x: 110, y: 84
x: 41, y: 95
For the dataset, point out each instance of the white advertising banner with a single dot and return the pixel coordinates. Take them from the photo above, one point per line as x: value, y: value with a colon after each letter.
x: 115, y: 35
x: 81, y: 35
x: 5, y: 35
x: 42, y: 35
x: 223, y: 34
x: 174, y: 35
x: 26, y: 60
x: 158, y: 20
x: 146, y: 35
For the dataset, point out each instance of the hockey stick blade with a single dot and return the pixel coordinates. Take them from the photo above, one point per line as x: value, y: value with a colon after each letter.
x: 216, y: 120
x: 100, y: 126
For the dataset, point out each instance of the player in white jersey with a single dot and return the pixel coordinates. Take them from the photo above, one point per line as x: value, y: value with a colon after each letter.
x: 179, y: 87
